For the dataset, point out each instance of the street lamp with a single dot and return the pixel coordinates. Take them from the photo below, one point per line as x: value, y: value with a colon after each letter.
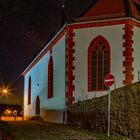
x: 7, y: 111
x: 5, y: 91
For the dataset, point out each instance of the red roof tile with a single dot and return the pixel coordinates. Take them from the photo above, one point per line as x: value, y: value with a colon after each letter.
x: 107, y: 9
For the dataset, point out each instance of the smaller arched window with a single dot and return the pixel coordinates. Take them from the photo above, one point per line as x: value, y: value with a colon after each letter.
x: 29, y: 90
x: 37, y: 105
x: 50, y: 78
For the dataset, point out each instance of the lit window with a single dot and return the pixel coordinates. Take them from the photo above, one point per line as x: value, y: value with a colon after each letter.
x: 98, y: 63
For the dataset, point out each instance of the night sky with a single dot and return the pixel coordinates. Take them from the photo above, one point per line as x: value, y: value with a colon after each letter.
x: 26, y: 26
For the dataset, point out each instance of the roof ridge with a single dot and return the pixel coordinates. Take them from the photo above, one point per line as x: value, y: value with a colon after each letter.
x: 127, y: 8
x: 100, y: 9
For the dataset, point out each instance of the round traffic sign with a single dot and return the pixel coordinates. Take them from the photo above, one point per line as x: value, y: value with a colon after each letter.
x: 109, y: 80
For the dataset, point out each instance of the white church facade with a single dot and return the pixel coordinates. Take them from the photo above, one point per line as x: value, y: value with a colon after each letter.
x: 72, y: 67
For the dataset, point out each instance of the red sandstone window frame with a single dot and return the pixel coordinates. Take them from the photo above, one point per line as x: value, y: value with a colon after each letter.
x: 92, y: 50
x: 50, y: 78
x: 29, y: 90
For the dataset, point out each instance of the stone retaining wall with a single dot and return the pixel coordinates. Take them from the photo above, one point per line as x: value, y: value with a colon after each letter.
x: 125, y: 112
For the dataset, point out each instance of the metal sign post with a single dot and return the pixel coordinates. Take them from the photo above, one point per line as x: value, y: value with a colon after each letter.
x: 109, y: 81
x: 108, y: 132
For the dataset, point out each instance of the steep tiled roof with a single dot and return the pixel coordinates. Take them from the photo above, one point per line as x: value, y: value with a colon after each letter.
x: 107, y: 9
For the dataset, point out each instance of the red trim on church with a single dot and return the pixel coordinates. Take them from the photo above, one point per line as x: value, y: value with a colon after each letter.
x: 69, y: 64
x: 98, y: 24
x: 50, y: 78
x: 105, y: 23
x: 78, y: 26
x: 127, y: 53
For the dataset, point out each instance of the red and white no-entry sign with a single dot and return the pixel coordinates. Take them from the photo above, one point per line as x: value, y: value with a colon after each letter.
x: 109, y: 80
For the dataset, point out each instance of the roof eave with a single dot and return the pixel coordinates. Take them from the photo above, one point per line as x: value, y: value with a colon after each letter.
x: 28, y: 67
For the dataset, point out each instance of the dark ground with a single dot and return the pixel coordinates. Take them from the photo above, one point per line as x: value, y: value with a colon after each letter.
x: 32, y: 130
x: 39, y: 130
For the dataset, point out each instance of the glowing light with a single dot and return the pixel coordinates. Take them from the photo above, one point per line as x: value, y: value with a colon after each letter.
x: 5, y: 91
x: 15, y: 112
x: 7, y: 111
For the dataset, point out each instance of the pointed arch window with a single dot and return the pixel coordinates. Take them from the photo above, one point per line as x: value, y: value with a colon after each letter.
x: 98, y: 63
x: 29, y: 90
x: 37, y: 105
x: 50, y: 78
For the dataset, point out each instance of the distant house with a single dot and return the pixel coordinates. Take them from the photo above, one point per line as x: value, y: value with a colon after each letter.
x: 72, y: 67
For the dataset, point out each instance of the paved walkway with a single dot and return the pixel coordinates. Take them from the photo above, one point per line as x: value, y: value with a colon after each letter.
x: 30, y: 130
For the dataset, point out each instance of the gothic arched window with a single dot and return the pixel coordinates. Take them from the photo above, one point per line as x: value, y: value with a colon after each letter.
x: 98, y: 63
x: 37, y: 105
x: 50, y: 78
x: 29, y: 90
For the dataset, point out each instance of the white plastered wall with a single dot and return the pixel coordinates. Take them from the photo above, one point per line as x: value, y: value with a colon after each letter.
x: 136, y: 53
x: 50, y: 109
x: 83, y: 37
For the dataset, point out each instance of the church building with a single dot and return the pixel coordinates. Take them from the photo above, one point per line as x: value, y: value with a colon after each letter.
x: 73, y: 65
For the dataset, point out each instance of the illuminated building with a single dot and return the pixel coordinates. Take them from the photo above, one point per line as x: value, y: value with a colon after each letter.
x: 72, y: 66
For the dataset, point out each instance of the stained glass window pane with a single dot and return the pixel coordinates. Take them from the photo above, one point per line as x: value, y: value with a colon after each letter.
x: 94, y: 66
x: 100, y: 57
x: 106, y: 67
